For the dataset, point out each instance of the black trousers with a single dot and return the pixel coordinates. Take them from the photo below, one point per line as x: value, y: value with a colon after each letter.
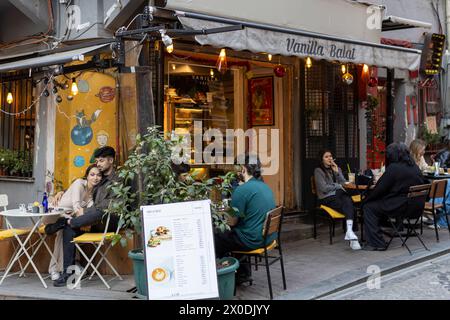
x: 340, y: 202
x: 228, y: 241
x: 373, y: 217
x: 94, y: 219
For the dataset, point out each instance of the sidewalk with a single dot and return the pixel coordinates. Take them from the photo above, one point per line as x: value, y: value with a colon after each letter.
x: 313, y: 268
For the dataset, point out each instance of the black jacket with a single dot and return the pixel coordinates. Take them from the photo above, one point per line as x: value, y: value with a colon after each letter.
x: 391, y: 190
x: 443, y: 157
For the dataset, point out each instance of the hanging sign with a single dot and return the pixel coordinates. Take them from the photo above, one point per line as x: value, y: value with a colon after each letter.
x: 286, y: 44
x: 179, y: 251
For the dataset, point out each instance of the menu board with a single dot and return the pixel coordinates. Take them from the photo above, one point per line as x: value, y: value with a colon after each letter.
x: 179, y: 251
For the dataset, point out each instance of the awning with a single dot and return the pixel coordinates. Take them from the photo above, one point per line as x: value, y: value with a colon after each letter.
x: 391, y: 23
x: 53, y: 59
x: 260, y: 38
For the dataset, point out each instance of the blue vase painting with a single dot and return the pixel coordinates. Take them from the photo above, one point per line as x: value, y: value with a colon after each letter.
x: 82, y: 133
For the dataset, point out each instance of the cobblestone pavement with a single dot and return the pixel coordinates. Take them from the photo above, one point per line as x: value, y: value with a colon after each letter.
x: 425, y: 281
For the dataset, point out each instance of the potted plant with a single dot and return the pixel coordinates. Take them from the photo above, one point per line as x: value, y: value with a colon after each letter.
x: 150, y: 169
x: 7, y: 162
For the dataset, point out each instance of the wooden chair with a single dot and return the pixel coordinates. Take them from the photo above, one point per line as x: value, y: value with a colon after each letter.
x: 328, y: 213
x: 438, y: 190
x: 417, y: 196
x: 272, y: 225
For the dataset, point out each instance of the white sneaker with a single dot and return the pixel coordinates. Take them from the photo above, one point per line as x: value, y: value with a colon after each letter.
x: 55, y: 275
x: 354, y: 244
x: 350, y: 235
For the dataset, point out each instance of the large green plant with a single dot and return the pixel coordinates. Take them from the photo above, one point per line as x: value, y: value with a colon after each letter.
x: 148, y: 177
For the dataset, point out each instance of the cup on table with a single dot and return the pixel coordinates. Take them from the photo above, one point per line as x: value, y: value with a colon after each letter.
x: 22, y: 208
x: 351, y: 177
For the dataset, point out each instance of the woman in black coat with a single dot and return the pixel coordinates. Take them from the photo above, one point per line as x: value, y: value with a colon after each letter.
x: 389, y: 197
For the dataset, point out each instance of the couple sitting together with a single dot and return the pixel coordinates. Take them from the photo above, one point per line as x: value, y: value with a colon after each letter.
x: 88, y: 198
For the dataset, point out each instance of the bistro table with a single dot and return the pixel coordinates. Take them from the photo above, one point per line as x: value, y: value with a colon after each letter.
x: 431, y: 176
x: 36, y: 219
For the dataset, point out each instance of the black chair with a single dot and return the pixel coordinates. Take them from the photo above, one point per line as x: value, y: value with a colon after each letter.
x: 272, y: 225
x: 417, y: 196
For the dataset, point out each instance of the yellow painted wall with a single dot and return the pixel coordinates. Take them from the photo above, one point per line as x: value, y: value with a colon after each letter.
x: 66, y: 149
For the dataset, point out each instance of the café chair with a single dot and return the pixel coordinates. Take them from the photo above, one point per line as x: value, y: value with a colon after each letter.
x: 272, y: 225
x: 98, y: 241
x: 324, y: 211
x: 10, y: 234
x: 438, y: 190
x: 417, y: 196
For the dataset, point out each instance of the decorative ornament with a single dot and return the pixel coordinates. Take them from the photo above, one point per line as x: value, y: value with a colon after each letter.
x: 59, y: 99
x: 82, y: 133
x: 79, y: 161
x: 279, y: 71
x: 373, y: 82
x: 69, y: 98
x: 106, y: 94
x: 347, y: 78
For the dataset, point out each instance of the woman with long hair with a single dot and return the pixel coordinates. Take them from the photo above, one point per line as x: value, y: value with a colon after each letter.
x: 78, y: 196
x: 390, y: 195
x: 417, y: 149
x: 330, y: 192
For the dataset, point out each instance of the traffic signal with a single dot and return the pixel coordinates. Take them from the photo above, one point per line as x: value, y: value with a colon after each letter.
x: 432, y: 53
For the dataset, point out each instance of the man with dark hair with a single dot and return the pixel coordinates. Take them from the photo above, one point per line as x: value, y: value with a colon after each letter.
x: 93, y: 216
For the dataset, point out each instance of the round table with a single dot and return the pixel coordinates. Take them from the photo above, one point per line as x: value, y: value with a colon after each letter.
x: 36, y: 219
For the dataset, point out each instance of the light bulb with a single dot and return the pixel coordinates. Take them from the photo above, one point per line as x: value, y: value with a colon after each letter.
x: 221, y: 63
x: 365, y: 68
x: 269, y: 57
x: 74, y: 89
x: 169, y: 48
x: 9, y: 98
x: 308, y: 62
x: 211, y: 72
x: 168, y: 42
x: 343, y: 69
x: 174, y: 67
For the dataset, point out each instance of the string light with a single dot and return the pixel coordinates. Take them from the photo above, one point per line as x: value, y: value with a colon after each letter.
x: 343, y: 69
x: 269, y: 57
x: 308, y: 62
x: 74, y: 89
x: 211, y: 72
x: 9, y: 98
x: 221, y: 63
x: 168, y: 42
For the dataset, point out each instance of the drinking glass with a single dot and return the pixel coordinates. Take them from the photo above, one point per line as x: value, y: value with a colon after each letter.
x: 22, y: 208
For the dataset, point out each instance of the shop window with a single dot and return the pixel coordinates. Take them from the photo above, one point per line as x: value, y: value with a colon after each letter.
x: 17, y: 121
x: 199, y: 93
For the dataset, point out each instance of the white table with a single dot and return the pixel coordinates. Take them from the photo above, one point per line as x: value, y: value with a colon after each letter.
x: 36, y: 219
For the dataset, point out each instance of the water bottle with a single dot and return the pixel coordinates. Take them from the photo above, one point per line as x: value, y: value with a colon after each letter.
x: 45, y: 202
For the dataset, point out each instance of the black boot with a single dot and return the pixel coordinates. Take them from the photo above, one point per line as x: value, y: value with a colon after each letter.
x: 62, y: 281
x: 55, y: 227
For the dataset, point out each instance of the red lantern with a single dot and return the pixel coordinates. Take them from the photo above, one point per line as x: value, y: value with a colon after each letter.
x: 373, y: 82
x: 279, y: 71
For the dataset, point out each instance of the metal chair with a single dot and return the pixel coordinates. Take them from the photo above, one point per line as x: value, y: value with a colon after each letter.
x: 272, y: 225
x: 97, y: 240
x: 438, y: 190
x: 330, y: 214
x: 417, y: 196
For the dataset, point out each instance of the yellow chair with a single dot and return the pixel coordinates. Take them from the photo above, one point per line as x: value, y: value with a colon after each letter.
x: 97, y: 240
x: 272, y: 225
x: 330, y: 214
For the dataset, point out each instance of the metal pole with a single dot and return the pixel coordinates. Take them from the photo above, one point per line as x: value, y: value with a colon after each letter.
x: 389, y: 107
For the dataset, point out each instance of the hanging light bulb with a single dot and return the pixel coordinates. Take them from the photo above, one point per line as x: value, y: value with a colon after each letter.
x: 365, y: 68
x: 74, y: 89
x: 347, y: 78
x: 9, y: 98
x: 168, y: 42
x: 211, y: 72
x: 269, y: 57
x: 308, y: 62
x: 343, y: 68
x: 221, y: 63
x: 174, y: 67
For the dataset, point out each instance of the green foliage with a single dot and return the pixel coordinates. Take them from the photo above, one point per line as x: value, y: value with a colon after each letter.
x: 149, y: 169
x: 430, y: 138
x: 16, y: 162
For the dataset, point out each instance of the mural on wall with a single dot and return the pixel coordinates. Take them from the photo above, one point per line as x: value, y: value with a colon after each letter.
x: 106, y: 94
x: 82, y: 133
x: 90, y: 124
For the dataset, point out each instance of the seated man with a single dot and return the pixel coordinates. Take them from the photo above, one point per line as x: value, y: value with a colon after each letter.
x: 253, y: 199
x: 93, y: 216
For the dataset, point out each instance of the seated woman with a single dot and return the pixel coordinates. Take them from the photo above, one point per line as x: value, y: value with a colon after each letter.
x: 78, y: 196
x: 389, y: 197
x: 253, y: 199
x: 417, y: 149
x: 329, y: 180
